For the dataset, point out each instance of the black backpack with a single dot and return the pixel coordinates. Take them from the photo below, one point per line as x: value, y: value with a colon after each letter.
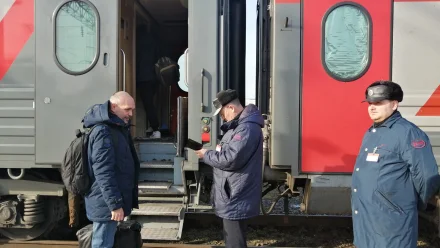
x: 75, y: 166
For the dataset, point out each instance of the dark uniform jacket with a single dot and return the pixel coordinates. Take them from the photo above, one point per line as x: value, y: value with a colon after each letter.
x: 237, y: 167
x: 395, y: 172
x: 114, y: 173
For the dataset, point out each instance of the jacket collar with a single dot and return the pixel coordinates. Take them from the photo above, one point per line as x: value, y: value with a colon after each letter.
x: 389, y: 121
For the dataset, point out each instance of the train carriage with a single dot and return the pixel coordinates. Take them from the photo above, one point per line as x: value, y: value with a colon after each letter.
x: 314, y: 60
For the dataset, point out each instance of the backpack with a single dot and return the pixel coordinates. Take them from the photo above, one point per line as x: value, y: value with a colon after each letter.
x: 75, y: 166
x: 85, y: 236
x: 167, y: 71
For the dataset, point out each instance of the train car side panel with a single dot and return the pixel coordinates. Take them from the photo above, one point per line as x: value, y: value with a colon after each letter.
x: 77, y: 66
x: 17, y: 81
x: 285, y: 71
x: 416, y: 63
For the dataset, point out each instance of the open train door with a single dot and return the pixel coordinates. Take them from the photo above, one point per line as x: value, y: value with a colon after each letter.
x: 76, y: 67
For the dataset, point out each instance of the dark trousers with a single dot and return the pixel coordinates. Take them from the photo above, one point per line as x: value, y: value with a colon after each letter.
x: 234, y: 232
x: 147, y: 91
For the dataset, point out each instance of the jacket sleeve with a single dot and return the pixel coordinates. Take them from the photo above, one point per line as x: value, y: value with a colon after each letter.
x: 422, y: 165
x: 103, y: 164
x: 235, y: 154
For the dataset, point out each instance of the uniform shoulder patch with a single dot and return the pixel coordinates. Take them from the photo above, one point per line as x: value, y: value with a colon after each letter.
x: 107, y: 142
x: 418, y: 143
x: 237, y: 137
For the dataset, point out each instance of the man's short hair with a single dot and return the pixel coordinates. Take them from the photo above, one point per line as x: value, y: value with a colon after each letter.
x: 236, y: 102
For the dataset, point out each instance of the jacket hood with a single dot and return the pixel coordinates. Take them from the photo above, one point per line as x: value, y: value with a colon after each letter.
x: 250, y: 114
x: 100, y: 113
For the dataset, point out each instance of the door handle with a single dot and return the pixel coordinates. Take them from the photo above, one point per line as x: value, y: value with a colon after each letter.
x: 186, y: 68
x: 123, y: 70
x: 202, y: 75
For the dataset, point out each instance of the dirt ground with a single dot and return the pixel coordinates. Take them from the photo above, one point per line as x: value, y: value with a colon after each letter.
x: 302, y: 237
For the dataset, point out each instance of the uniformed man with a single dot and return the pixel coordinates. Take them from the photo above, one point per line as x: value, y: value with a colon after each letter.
x: 395, y: 173
x: 236, y: 166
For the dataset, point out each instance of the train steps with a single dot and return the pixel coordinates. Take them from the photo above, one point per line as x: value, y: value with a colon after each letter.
x: 161, y: 191
x: 160, y: 221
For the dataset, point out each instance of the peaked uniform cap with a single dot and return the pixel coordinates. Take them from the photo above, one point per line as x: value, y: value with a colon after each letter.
x: 223, y: 98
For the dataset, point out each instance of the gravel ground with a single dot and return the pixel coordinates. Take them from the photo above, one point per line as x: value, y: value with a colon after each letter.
x: 294, y: 203
x: 296, y: 237
x: 288, y: 237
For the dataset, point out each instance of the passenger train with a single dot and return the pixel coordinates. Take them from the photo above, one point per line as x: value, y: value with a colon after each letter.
x: 314, y: 59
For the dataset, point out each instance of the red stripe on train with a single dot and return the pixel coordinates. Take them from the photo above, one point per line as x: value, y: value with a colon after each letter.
x: 15, y: 29
x: 432, y: 106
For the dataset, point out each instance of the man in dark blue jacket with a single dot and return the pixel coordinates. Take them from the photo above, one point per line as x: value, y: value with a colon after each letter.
x: 113, y: 167
x: 237, y: 166
x: 394, y: 175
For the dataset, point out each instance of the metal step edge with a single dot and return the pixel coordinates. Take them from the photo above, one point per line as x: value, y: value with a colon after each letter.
x: 176, y: 190
x: 159, y: 209
x: 151, y: 185
x: 139, y: 212
x: 179, y: 199
x: 157, y: 165
x: 160, y: 234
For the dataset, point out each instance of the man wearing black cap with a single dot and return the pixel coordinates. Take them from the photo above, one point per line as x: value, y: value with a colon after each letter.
x: 237, y: 166
x: 394, y: 175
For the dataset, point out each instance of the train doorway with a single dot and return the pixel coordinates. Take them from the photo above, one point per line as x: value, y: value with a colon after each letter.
x: 153, y: 40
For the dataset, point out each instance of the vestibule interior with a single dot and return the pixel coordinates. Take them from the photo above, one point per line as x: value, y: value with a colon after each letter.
x: 159, y: 29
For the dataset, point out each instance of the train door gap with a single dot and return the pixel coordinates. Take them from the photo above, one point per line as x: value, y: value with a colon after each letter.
x: 161, y: 32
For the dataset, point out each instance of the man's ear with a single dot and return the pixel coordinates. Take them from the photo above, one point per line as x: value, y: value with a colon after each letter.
x: 395, y: 104
x: 112, y: 106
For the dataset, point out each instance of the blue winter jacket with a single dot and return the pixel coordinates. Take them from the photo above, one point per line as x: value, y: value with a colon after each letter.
x: 395, y: 172
x: 114, y: 173
x: 237, y: 167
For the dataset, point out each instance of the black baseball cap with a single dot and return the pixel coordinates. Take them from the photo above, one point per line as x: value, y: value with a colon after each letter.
x: 224, y: 97
x: 383, y: 90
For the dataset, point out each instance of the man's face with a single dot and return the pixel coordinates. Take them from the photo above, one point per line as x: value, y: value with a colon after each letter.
x: 124, y: 109
x: 227, y: 113
x: 379, y: 111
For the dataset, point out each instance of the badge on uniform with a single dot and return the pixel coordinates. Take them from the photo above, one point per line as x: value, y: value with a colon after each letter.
x: 218, y: 148
x: 373, y: 157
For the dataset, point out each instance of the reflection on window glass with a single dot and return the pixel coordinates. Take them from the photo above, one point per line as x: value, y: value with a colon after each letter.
x: 346, y: 42
x: 76, y: 36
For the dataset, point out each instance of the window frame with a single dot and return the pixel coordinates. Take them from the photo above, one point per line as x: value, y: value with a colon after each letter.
x: 97, y: 28
x: 370, y: 41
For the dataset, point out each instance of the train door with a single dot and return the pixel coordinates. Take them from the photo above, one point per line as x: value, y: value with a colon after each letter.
x: 345, y: 47
x: 76, y: 67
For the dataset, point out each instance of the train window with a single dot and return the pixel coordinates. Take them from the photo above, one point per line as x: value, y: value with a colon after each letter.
x: 76, y: 36
x: 346, y: 53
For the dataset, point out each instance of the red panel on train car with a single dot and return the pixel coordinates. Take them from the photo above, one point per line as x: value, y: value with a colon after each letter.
x: 333, y: 117
x: 15, y: 29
